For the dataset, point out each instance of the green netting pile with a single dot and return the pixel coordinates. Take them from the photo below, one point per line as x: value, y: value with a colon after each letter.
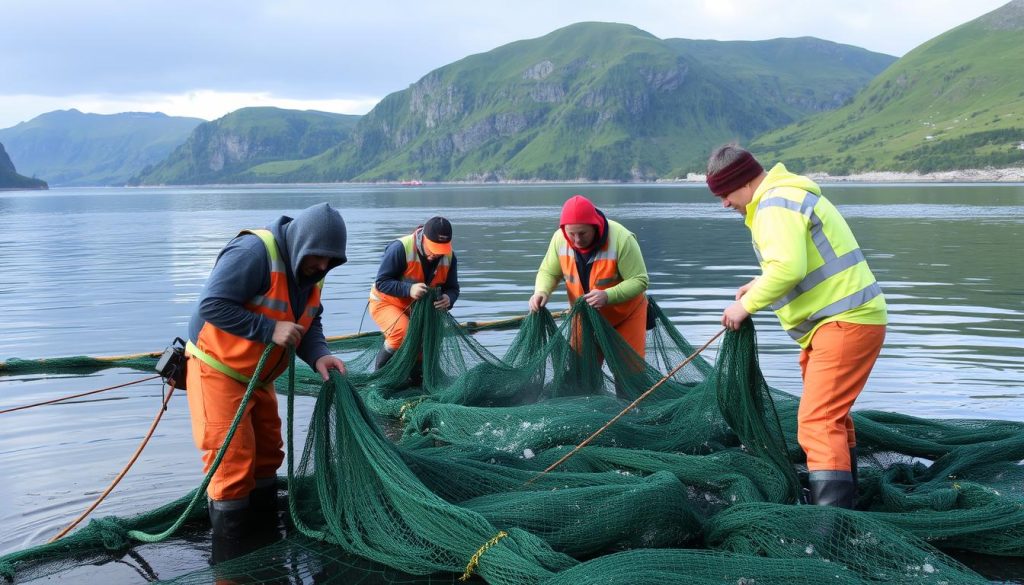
x: 699, y: 483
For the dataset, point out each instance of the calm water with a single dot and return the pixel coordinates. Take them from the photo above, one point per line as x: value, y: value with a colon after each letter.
x: 117, y: 271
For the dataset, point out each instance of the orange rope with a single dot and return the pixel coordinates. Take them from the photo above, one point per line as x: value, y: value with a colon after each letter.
x: 78, y: 395
x: 138, y: 451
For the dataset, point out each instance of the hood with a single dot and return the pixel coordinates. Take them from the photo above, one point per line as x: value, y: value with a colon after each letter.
x: 316, y: 231
x: 579, y: 210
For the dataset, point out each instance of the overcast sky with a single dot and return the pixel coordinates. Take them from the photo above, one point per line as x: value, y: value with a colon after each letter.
x: 207, y: 58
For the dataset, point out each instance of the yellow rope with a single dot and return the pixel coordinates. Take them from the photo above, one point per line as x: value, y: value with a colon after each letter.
x: 475, y: 560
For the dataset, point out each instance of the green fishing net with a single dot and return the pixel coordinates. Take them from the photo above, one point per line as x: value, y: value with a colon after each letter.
x: 701, y: 482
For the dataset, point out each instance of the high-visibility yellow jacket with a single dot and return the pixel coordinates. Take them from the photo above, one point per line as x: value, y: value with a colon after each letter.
x: 812, y: 269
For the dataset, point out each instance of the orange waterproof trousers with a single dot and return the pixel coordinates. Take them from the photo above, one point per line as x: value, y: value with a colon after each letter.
x: 633, y: 330
x: 393, y: 322
x: 835, y: 368
x: 256, y: 450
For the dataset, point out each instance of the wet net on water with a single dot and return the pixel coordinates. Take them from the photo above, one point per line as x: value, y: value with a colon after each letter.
x: 401, y: 480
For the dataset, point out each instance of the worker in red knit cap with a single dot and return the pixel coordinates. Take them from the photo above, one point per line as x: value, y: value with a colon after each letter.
x: 600, y: 261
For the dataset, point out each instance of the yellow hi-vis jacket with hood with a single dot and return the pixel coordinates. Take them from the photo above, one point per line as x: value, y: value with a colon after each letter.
x: 812, y: 269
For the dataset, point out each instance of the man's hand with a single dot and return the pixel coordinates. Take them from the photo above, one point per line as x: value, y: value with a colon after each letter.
x: 287, y: 333
x: 327, y: 363
x: 418, y: 290
x: 743, y: 289
x: 443, y: 303
x: 596, y: 298
x: 734, y: 316
x: 537, y: 301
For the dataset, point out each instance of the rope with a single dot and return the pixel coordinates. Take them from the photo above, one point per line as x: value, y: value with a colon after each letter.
x: 628, y: 408
x: 113, y: 484
x: 469, y: 325
x: 474, y: 561
x: 78, y: 395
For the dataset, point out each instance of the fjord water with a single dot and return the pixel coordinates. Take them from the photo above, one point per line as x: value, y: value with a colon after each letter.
x: 117, y: 271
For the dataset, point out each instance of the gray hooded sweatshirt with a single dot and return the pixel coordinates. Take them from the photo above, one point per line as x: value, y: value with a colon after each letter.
x: 242, y: 271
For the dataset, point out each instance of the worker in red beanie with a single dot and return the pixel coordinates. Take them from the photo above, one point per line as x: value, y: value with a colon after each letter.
x: 599, y: 260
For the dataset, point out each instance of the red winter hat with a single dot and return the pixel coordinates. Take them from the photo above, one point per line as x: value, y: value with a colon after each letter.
x: 579, y: 209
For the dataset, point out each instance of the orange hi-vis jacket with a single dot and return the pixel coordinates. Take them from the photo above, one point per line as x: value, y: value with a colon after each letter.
x: 237, y: 357
x: 413, y: 274
x: 604, y: 274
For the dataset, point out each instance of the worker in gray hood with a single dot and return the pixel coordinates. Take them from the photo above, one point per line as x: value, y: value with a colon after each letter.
x: 265, y: 287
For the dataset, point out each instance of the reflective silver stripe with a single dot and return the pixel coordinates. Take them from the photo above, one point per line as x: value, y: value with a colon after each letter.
x: 831, y: 475
x: 844, y: 304
x: 311, y: 311
x: 570, y: 278
x: 272, y: 304
x: 606, y: 281
x: 277, y: 266
x: 805, y: 208
x: 374, y: 297
x: 564, y: 251
x: 819, y: 274
x: 445, y: 261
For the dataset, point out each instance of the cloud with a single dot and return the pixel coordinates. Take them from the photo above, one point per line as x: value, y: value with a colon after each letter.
x: 330, y: 52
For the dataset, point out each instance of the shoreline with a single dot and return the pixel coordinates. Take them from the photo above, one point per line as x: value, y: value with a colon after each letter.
x: 988, y: 175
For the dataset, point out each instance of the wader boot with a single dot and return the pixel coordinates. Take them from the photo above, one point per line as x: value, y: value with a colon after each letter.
x: 832, y: 488
x: 263, y: 504
x: 853, y: 472
x: 383, y: 356
x: 230, y: 522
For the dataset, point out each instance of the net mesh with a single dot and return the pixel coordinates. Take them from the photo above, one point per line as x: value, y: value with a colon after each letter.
x: 698, y: 483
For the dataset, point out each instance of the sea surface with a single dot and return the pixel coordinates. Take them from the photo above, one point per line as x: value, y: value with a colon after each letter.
x: 113, y: 271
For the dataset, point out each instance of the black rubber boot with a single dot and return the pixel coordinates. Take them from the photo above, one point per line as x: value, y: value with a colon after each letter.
x: 383, y: 357
x: 263, y: 504
x: 853, y: 472
x: 832, y: 488
x: 229, y: 518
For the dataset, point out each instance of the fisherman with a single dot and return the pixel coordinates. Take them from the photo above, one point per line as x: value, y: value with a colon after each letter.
x: 816, y: 279
x: 264, y: 288
x: 411, y: 266
x: 600, y: 261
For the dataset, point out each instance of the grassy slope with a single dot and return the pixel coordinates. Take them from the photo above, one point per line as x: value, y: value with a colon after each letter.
x: 618, y: 110
x: 956, y: 101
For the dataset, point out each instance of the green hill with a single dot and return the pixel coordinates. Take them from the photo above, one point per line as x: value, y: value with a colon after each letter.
x: 955, y: 102
x: 592, y: 101
x: 71, y: 148
x: 9, y: 177
x: 225, y: 150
